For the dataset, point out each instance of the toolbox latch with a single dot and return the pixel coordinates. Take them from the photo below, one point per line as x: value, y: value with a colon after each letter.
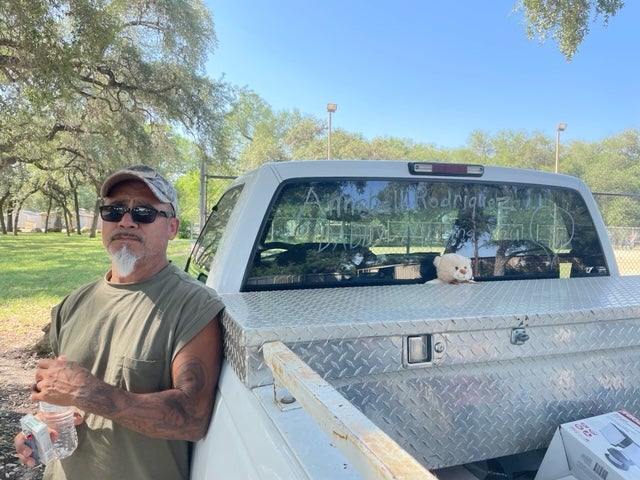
x: 423, y: 349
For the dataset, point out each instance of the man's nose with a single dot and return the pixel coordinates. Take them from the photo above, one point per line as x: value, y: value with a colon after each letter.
x: 127, y: 220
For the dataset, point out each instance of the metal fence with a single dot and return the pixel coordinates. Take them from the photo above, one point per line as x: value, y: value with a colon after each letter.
x: 621, y: 208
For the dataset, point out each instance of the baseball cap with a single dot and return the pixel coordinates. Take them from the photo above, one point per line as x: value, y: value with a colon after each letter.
x: 158, y: 185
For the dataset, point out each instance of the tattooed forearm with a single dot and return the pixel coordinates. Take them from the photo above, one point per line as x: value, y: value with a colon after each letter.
x: 169, y: 414
x: 182, y: 412
x: 99, y: 398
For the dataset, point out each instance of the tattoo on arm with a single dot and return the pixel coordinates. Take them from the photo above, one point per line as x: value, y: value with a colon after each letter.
x: 191, y: 377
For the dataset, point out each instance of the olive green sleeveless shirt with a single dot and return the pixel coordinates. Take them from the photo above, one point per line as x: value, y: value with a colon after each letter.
x: 128, y: 335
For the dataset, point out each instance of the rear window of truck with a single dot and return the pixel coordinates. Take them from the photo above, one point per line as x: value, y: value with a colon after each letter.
x: 363, y: 232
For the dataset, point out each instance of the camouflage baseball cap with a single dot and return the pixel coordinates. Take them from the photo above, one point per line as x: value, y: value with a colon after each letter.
x: 158, y: 185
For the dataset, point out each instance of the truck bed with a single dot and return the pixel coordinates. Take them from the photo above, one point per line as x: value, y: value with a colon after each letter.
x: 494, y: 367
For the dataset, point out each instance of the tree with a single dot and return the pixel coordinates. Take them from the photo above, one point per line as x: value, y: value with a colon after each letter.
x: 521, y: 149
x: 566, y: 21
x: 93, y: 86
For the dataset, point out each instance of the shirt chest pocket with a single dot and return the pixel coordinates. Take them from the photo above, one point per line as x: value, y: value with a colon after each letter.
x: 141, y: 375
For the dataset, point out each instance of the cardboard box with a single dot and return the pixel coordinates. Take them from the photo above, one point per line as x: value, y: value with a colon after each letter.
x: 606, y: 447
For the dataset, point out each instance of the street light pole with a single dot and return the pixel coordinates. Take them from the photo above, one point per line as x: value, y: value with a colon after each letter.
x: 331, y: 108
x: 561, y: 128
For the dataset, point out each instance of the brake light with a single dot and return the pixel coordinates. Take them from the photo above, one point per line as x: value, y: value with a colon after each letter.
x: 453, y: 169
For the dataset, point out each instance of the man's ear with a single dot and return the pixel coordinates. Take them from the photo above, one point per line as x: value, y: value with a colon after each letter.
x: 174, y: 224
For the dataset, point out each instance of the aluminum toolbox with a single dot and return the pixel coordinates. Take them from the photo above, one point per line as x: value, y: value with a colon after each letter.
x: 505, y: 362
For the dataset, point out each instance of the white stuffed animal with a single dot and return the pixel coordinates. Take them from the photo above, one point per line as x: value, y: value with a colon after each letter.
x: 452, y: 268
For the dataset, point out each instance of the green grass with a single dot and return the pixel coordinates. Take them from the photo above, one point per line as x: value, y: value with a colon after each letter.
x: 37, y: 270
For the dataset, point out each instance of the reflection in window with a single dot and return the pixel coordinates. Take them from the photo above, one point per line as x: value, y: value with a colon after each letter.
x: 199, y: 262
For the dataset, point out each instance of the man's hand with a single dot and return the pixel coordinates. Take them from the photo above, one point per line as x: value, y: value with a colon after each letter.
x: 61, y: 382
x: 23, y: 450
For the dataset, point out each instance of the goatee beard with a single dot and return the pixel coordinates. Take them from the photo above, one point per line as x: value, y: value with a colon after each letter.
x: 123, y: 261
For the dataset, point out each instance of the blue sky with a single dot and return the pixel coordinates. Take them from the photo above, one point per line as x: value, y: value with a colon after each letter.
x: 427, y: 70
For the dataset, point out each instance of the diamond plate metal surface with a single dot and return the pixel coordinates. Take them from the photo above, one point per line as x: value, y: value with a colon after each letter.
x: 484, y: 397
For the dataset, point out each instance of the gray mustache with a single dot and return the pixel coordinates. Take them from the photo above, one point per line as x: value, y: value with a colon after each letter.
x: 119, y: 235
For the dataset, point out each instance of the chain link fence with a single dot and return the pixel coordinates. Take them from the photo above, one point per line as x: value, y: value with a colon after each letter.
x: 621, y: 212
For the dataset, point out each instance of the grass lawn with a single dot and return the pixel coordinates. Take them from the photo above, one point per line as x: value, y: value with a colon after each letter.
x: 37, y: 270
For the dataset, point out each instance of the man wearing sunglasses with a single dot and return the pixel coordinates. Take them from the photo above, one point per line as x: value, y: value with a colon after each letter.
x: 138, y: 351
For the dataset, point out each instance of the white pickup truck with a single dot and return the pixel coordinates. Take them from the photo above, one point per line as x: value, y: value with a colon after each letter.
x: 342, y: 362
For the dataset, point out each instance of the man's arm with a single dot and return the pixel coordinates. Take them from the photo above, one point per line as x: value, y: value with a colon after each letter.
x: 181, y: 413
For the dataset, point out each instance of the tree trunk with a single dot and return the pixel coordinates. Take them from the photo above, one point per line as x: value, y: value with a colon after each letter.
x: 96, y: 217
x: 67, y: 220
x: 15, y: 222
x: 3, y: 227
x: 76, y: 206
x: 46, y: 221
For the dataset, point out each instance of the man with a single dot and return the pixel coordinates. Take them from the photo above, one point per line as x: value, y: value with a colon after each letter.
x: 138, y: 351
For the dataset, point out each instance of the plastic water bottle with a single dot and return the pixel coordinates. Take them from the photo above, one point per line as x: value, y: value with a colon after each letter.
x: 60, y: 419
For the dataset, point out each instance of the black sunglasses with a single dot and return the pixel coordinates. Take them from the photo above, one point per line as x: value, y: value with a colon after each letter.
x: 114, y: 213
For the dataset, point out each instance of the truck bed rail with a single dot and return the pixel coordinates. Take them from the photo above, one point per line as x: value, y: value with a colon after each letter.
x: 371, y: 451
